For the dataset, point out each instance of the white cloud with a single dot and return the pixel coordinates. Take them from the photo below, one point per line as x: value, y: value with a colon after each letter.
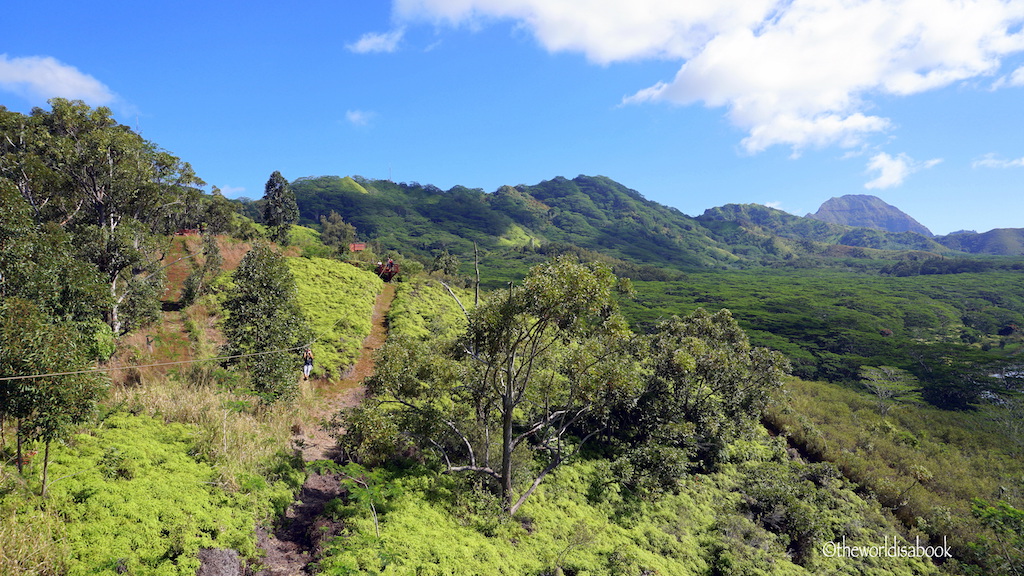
x: 39, y: 78
x: 799, y: 73
x: 893, y: 170
x: 994, y: 161
x: 232, y: 191
x: 359, y: 117
x: 377, y: 42
x: 1017, y: 78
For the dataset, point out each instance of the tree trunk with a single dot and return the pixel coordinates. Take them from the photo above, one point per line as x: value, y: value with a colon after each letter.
x: 46, y: 467
x: 115, y: 321
x: 21, y: 463
x: 506, y: 453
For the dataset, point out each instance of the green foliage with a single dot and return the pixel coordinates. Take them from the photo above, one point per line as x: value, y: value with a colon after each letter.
x: 890, y: 385
x: 46, y: 408
x: 131, y: 494
x: 108, y: 187
x: 706, y: 386
x: 337, y: 233
x: 922, y: 463
x: 337, y: 299
x: 424, y: 309
x: 198, y: 281
x: 264, y: 318
x: 279, y: 209
x: 1005, y: 548
x: 830, y: 323
x: 33, y: 255
x: 533, y: 361
x: 740, y: 520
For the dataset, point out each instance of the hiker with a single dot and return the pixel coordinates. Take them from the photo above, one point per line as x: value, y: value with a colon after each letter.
x: 307, y: 363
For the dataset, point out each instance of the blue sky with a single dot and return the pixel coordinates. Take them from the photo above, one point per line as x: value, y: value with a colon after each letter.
x: 693, y: 104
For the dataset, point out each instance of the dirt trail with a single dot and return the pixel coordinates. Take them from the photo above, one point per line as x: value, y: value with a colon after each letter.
x: 289, y: 548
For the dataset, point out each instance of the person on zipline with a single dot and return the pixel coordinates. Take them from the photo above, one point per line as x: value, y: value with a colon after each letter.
x: 307, y: 363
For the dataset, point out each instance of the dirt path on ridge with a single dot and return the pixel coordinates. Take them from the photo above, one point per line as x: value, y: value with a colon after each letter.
x: 290, y: 549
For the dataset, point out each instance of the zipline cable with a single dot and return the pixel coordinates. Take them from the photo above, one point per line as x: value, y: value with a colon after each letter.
x: 113, y: 368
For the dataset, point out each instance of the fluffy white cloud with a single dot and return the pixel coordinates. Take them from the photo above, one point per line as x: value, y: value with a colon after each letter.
x: 1017, y: 78
x: 374, y: 42
x: 893, y: 170
x: 791, y: 72
x: 359, y: 117
x: 39, y: 78
x: 994, y: 161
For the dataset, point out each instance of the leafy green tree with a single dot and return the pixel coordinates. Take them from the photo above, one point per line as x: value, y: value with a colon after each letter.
x: 706, y: 386
x: 44, y: 408
x: 106, y: 185
x: 445, y: 263
x: 280, y: 210
x: 890, y: 386
x: 1004, y: 551
x: 197, y: 282
x: 220, y: 214
x: 264, y: 318
x: 37, y: 263
x: 336, y: 232
x: 535, y: 360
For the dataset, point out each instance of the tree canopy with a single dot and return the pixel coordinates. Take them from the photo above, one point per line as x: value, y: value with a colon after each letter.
x: 279, y: 210
x: 548, y: 366
x: 264, y: 318
x: 112, y: 190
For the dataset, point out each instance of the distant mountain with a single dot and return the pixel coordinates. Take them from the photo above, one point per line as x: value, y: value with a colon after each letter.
x: 758, y: 220
x: 867, y: 211
x: 1001, y: 241
x: 590, y: 212
x: 602, y: 217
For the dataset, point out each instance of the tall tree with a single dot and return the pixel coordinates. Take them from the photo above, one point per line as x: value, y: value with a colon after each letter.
x: 264, y: 318
x: 110, y: 188
x: 280, y: 210
x: 535, y: 361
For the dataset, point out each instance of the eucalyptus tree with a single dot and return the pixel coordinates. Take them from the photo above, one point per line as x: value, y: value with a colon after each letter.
x: 110, y: 188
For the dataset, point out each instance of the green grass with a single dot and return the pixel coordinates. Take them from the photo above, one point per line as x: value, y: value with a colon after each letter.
x: 423, y: 308
x: 131, y: 495
x: 337, y: 299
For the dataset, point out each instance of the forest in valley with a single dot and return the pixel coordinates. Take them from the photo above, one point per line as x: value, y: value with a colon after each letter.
x: 573, y: 380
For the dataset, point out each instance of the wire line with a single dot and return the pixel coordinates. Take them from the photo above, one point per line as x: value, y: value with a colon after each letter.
x: 112, y: 368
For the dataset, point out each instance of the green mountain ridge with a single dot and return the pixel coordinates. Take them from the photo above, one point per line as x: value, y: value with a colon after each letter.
x: 597, y: 214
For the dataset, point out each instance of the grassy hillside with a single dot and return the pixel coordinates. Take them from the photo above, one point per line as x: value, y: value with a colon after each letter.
x: 1001, y: 241
x: 337, y: 299
x: 177, y: 458
x: 592, y: 213
x: 924, y: 464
